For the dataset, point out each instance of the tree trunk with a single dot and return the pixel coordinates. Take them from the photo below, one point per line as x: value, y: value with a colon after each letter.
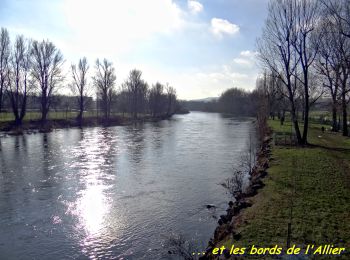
x: 345, y: 114
x: 44, y: 109
x: 294, y: 114
x: 334, y: 117
x: 44, y: 115
x: 306, y: 115
x: 106, y: 112
x: 1, y: 94
x: 24, y: 107
x: 80, y: 118
x: 18, y: 121
x: 295, y: 123
x: 81, y: 110
x: 297, y: 131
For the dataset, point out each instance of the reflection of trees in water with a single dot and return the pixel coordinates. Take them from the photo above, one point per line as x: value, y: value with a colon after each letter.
x: 45, y: 154
x: 96, y: 151
x: 157, y: 135
x: 15, y: 157
x: 15, y: 179
x: 108, y: 145
x: 95, y: 154
x: 2, y: 157
x: 47, y: 181
x: 136, y: 141
x: 6, y: 184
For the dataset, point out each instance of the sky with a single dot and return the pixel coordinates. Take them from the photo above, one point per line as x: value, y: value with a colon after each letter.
x: 200, y: 47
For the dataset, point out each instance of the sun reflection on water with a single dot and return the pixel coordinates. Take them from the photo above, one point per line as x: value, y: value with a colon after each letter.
x: 97, y: 225
x: 92, y: 207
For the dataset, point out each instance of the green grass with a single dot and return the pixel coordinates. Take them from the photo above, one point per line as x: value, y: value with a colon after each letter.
x: 7, y: 116
x: 315, y: 117
x: 316, y: 181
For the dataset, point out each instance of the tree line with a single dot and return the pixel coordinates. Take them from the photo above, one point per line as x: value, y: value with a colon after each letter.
x: 305, y: 52
x: 33, y: 70
x: 233, y: 101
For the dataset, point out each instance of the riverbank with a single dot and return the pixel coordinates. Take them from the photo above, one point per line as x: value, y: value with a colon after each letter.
x: 226, y: 229
x: 33, y: 126
x: 307, y: 187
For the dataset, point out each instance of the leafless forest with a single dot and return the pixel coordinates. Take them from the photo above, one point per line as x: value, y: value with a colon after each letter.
x: 305, y: 52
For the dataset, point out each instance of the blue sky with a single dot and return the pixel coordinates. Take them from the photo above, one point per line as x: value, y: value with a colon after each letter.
x: 200, y: 47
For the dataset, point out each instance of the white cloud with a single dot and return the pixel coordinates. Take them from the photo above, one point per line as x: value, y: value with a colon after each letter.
x: 242, y: 61
x: 194, y: 6
x: 219, y: 27
x: 246, y: 58
x: 248, y: 54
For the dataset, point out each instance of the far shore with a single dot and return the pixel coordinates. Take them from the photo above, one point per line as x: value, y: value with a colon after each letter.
x: 37, y: 126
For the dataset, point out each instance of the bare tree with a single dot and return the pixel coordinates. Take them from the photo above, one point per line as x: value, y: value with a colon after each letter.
x: 269, y: 87
x: 171, y: 100
x: 19, y: 78
x: 339, y: 11
x: 4, y: 62
x: 328, y: 64
x: 47, y: 63
x: 276, y: 51
x: 156, y: 99
x: 344, y: 50
x: 234, y: 184
x: 306, y: 16
x: 123, y: 99
x: 137, y: 89
x: 79, y: 85
x: 286, y: 49
x: 104, y: 80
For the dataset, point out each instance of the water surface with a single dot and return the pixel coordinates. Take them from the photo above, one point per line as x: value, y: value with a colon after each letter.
x: 116, y: 192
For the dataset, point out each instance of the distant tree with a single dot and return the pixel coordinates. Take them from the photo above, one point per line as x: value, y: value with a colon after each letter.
x: 328, y: 64
x: 269, y: 86
x: 47, y: 72
x: 234, y: 101
x: 4, y: 62
x: 171, y: 100
x: 338, y: 12
x: 19, y: 85
x: 104, y: 80
x: 156, y: 99
x: 137, y: 89
x: 123, y: 100
x: 270, y: 95
x: 79, y: 85
x: 344, y: 50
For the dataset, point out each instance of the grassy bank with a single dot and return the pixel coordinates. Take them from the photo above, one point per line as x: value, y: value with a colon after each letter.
x: 59, y: 120
x: 314, y: 182
x: 60, y: 115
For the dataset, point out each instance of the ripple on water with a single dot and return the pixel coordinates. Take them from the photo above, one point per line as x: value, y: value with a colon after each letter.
x: 117, y: 192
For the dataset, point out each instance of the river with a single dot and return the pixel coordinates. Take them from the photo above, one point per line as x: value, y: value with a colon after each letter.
x: 116, y: 192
